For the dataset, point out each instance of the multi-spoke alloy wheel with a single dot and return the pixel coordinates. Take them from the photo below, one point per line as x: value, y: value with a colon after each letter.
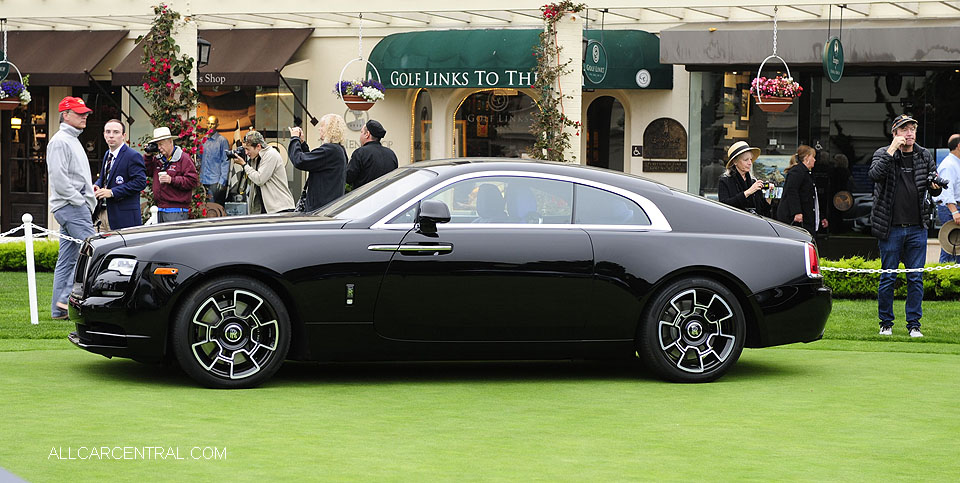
x: 232, y: 332
x: 692, y: 332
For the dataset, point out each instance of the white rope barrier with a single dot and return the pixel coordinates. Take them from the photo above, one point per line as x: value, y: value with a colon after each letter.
x: 28, y: 227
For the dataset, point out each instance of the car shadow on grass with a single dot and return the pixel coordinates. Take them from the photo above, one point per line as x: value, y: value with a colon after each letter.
x: 294, y: 373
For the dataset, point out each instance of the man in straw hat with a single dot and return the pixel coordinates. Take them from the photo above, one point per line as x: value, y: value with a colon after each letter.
x: 174, y: 177
x: 949, y: 170
x: 737, y: 188
x: 71, y: 197
x: 900, y: 173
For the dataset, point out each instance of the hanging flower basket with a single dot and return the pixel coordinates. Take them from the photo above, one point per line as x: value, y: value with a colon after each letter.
x: 14, y: 94
x: 357, y: 103
x: 359, y: 95
x: 775, y: 94
x: 773, y: 103
x: 9, y: 104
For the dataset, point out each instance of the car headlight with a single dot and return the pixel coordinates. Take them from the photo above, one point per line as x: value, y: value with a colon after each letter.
x: 124, y: 266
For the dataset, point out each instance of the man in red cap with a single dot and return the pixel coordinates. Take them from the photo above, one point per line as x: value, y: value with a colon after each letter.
x: 71, y: 196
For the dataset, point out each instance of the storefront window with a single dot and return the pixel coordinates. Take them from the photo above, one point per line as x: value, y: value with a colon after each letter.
x: 605, y: 126
x: 422, y: 121
x: 494, y: 123
x: 726, y: 113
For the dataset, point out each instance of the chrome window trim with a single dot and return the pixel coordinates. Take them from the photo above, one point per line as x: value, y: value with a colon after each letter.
x: 658, y: 222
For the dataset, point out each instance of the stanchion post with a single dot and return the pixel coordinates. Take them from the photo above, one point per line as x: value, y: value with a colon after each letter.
x: 27, y: 219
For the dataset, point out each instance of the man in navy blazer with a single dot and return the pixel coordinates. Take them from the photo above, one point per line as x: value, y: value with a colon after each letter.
x: 121, y: 179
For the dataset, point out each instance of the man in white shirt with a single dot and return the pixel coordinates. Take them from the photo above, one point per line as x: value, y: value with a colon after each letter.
x: 947, y: 210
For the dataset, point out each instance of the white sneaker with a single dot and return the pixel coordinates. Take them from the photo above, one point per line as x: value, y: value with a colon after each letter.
x: 916, y: 333
x: 886, y: 331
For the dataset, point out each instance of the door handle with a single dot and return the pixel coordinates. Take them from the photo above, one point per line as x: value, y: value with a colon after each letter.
x: 413, y: 248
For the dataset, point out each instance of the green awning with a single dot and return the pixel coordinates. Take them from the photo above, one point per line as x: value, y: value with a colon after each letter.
x: 504, y: 59
x: 633, y: 60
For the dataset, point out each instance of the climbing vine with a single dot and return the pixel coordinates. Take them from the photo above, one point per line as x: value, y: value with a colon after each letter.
x: 551, y: 139
x: 171, y: 94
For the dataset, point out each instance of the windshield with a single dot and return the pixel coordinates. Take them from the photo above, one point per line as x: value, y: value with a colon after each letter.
x: 367, y: 199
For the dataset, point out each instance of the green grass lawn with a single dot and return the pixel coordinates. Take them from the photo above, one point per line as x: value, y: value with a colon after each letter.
x: 852, y: 407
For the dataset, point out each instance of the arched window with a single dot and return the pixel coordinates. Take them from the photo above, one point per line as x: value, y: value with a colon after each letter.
x: 422, y: 121
x: 605, y: 127
x: 494, y: 123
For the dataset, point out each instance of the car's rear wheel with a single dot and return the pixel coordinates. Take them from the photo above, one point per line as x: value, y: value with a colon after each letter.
x: 231, y: 332
x: 693, y: 331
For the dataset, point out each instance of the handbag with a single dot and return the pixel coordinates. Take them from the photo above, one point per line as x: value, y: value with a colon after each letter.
x: 302, y: 202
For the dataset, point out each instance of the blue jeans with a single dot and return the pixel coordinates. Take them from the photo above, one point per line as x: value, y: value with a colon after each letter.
x: 909, y: 245
x: 75, y: 221
x: 944, y: 215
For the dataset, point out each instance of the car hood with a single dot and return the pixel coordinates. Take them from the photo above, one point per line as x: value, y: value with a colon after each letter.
x: 226, y: 226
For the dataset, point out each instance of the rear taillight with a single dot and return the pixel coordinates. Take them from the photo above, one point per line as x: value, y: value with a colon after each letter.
x: 812, y: 261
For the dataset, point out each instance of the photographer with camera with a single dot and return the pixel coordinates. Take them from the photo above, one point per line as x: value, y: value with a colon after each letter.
x: 265, y: 169
x: 174, y: 176
x: 800, y: 205
x: 901, y: 175
x: 737, y: 188
x: 947, y: 210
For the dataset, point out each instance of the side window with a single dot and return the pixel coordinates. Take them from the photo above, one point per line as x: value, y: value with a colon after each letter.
x: 598, y: 207
x: 504, y: 199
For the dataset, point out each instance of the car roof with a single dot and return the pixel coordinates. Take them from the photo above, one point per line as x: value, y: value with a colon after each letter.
x: 457, y: 166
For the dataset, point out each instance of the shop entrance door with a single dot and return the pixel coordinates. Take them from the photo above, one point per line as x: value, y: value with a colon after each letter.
x: 605, y: 128
x: 23, y: 177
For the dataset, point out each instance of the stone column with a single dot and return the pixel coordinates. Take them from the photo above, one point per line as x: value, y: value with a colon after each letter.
x: 185, y: 34
x: 569, y: 39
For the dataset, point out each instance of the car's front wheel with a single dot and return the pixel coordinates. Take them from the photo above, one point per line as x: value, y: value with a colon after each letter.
x: 231, y: 332
x: 693, y: 331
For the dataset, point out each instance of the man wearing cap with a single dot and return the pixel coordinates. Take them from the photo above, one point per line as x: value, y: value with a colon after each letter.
x: 71, y: 197
x: 947, y: 210
x: 121, y: 178
x: 174, y: 177
x: 900, y: 172
x: 371, y: 160
x: 214, y: 165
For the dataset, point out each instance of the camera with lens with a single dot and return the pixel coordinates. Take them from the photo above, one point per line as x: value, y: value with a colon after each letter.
x: 151, y: 148
x: 934, y: 178
x: 238, y: 153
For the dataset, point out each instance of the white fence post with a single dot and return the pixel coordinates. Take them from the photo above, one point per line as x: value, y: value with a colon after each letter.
x: 154, y: 217
x: 27, y: 219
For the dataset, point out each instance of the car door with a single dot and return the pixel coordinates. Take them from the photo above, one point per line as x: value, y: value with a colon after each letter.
x: 509, y: 266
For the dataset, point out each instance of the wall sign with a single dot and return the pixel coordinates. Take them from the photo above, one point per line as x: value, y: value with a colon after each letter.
x: 445, y: 78
x: 664, y: 166
x: 833, y: 59
x: 595, y: 63
x: 636, y: 151
x: 665, y: 138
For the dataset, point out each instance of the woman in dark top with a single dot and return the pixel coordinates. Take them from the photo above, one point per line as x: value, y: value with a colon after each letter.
x: 799, y: 203
x: 737, y: 188
x: 326, y: 164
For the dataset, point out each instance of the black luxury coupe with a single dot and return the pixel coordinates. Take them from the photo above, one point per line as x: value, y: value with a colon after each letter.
x: 456, y: 260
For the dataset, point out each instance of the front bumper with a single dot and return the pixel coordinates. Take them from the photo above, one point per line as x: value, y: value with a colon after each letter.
x: 135, y: 325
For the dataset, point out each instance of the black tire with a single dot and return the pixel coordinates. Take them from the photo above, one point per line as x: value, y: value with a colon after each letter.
x: 231, y: 333
x: 693, y: 331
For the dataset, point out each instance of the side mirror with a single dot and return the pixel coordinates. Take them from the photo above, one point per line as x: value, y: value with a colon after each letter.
x: 429, y: 214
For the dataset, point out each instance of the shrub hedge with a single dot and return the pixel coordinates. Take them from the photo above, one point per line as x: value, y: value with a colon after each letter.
x: 13, y: 255
x: 937, y: 285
